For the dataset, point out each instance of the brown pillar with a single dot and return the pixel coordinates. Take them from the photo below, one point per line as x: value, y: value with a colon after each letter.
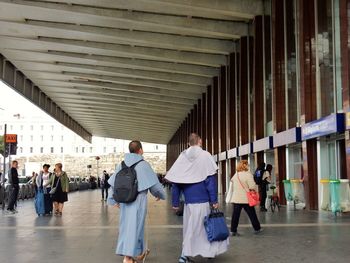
x: 216, y: 115
x: 258, y: 85
x: 223, y: 124
x: 345, y: 63
x: 199, y: 117
x: 279, y: 94
x: 209, y: 120
x: 307, y: 97
x: 204, y: 121
x: 244, y: 93
x: 233, y: 106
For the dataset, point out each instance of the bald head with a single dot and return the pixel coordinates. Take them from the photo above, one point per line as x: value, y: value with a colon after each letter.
x: 135, y: 147
x: 194, y: 139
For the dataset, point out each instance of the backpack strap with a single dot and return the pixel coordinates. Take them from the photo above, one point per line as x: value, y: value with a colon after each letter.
x: 136, y: 163
x: 124, y: 165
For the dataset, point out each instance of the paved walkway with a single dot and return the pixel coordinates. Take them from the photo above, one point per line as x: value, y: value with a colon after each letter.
x: 88, y: 229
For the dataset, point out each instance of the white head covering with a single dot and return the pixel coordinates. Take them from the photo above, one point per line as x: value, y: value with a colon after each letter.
x: 194, y: 165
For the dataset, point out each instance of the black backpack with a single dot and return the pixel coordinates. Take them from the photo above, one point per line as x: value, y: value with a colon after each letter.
x: 258, y: 176
x: 125, y: 184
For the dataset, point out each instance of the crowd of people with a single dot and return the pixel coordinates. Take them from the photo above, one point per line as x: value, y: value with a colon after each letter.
x: 193, y: 183
x: 51, y: 189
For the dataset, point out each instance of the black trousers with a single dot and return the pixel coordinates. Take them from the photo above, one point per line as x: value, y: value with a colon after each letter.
x: 13, y: 197
x: 103, y: 192
x: 250, y: 210
x: 263, y: 195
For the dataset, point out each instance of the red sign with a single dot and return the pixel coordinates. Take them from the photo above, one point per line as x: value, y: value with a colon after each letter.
x: 11, y: 138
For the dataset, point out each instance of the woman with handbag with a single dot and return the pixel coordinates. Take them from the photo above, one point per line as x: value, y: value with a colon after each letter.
x: 243, y: 194
x: 59, y: 189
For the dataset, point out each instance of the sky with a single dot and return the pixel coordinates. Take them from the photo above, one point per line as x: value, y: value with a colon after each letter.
x: 12, y: 103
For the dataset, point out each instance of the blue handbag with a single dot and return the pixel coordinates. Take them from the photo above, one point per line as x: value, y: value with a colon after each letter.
x: 215, y: 226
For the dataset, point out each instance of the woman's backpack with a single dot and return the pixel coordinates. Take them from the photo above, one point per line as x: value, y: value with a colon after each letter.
x: 125, y: 185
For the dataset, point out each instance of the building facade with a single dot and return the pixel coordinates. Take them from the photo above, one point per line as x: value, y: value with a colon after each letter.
x: 283, y: 98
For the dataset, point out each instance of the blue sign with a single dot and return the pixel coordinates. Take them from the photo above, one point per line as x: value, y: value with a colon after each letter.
x: 331, y: 124
x: 232, y: 153
x: 263, y: 144
x: 287, y: 137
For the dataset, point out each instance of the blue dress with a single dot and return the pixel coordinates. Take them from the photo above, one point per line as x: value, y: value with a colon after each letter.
x: 133, y: 215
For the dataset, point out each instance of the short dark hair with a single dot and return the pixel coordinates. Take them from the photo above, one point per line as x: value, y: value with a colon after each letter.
x: 13, y: 162
x: 46, y: 165
x: 269, y: 167
x: 193, y: 139
x: 135, y: 146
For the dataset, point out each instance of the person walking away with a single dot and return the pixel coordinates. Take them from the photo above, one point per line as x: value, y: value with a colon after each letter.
x: 242, y: 182
x: 59, y: 183
x: 131, y: 242
x: 43, y: 179
x: 104, y: 185
x: 266, y: 180
x: 194, y: 174
x: 14, y: 187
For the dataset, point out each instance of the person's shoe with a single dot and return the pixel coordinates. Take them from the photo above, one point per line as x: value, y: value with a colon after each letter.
x: 184, y: 259
x: 10, y: 212
x: 263, y: 209
x: 143, y: 256
x: 257, y: 232
x: 235, y: 234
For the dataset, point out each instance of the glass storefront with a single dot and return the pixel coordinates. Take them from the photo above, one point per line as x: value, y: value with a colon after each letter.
x: 294, y: 162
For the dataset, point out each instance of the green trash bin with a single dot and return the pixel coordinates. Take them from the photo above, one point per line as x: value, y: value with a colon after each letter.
x: 335, y: 195
x: 288, y: 191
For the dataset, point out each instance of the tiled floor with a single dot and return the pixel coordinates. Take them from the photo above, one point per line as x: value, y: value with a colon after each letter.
x: 88, y: 229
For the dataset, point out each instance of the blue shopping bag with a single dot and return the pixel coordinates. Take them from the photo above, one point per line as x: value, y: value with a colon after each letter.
x: 215, y: 226
x: 39, y: 202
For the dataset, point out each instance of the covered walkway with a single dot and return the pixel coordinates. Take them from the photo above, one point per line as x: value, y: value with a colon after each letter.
x: 87, y: 233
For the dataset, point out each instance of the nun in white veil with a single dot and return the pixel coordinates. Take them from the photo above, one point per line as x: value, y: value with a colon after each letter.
x: 195, y: 175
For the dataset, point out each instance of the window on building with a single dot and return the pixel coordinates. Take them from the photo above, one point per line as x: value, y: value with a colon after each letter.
x: 42, y: 127
x: 21, y: 149
x: 52, y: 127
x: 41, y: 149
x: 52, y: 150
x: 42, y: 138
x: 90, y: 149
x: 31, y: 127
x: 114, y: 149
x: 62, y: 138
x: 76, y: 149
x: 52, y: 138
x: 21, y: 138
x: 11, y: 127
x: 104, y: 149
x: 156, y: 147
x: 31, y: 138
x: 61, y: 149
x: 31, y: 149
x: 82, y: 149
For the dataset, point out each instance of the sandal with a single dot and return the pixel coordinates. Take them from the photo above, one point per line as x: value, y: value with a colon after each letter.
x: 143, y: 256
x: 184, y: 259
